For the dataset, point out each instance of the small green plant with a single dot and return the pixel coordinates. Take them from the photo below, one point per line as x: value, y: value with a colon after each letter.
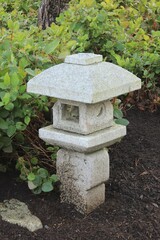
x: 38, y: 178
x: 118, y: 114
x: 41, y: 181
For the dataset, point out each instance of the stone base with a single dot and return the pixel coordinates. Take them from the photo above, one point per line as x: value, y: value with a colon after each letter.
x: 84, y: 201
x: 82, y: 178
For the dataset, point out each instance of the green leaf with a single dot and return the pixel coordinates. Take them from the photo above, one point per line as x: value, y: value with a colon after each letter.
x: 3, y: 124
x: 122, y: 121
x: 20, y: 138
x: 3, y: 86
x: 16, y: 26
x: 31, y: 185
x: 149, y: 84
x: 10, y: 24
x: 37, y: 190
x: 22, y: 89
x: 51, y: 149
x: 23, y: 176
x: 43, y: 173
x: 13, y: 59
x: 52, y: 46
x: 76, y: 26
x: 8, y: 149
x: 30, y: 71
x: 25, y: 96
x: 4, y: 113
x: 14, y: 94
x: 6, y: 98
x: 27, y: 120
x: 11, y: 130
x: 20, y: 126
x: 47, y: 186
x: 7, y: 79
x: 1, y: 104
x: 37, y: 181
x: 119, y: 46
x: 101, y: 17
x: 6, y: 141
x: 53, y: 156
x: 14, y: 79
x: 9, y: 106
x: 24, y: 62
x: 118, y: 113
x: 31, y: 176
x: 34, y: 160
x: 54, y: 177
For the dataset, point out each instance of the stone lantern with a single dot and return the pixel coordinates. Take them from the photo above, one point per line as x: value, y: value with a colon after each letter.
x: 83, y: 123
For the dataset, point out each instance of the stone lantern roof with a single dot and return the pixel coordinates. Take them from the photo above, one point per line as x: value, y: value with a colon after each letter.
x: 84, y: 77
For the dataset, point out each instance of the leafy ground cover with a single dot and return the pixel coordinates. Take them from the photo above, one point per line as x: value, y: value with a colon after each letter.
x: 132, y: 207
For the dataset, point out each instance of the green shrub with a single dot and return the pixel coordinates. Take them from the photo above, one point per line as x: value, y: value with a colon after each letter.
x: 19, y: 59
x: 126, y: 33
x: 25, y: 51
x: 25, y: 12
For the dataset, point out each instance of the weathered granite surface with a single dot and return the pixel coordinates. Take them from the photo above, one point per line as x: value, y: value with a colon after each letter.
x: 16, y: 212
x: 82, y: 143
x: 84, y: 83
x: 82, y: 118
x: 83, y: 58
x: 81, y: 170
x: 82, y: 178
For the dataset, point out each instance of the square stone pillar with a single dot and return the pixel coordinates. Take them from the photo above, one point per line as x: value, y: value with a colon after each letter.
x: 82, y: 178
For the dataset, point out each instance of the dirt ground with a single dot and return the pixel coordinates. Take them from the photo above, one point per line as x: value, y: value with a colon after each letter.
x: 132, y: 206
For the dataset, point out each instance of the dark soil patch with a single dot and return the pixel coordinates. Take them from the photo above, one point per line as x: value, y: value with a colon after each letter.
x: 132, y: 207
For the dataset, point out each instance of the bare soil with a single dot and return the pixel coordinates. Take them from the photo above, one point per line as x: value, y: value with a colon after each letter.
x: 132, y: 207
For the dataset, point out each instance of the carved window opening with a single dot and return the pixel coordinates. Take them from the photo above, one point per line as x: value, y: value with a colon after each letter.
x: 70, y: 113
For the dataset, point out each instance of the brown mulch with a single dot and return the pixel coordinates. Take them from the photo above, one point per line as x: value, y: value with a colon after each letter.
x: 132, y: 206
